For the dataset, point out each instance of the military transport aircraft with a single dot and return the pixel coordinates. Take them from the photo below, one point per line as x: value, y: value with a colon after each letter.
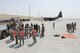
x: 53, y: 18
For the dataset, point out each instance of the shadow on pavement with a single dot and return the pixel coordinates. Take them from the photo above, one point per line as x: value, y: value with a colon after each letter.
x: 8, y: 41
x: 30, y: 45
x: 12, y: 46
x: 18, y: 46
x: 15, y: 46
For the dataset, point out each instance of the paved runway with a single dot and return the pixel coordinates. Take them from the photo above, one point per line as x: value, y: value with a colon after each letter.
x: 48, y: 44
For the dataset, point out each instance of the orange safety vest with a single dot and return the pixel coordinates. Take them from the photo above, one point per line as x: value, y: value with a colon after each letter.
x: 22, y: 33
x: 14, y: 33
x: 34, y: 33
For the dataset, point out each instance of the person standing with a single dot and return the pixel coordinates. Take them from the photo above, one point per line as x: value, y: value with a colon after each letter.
x: 8, y: 27
x: 39, y: 28
x: 15, y: 35
x: 42, y: 31
x: 38, y: 34
x: 30, y: 30
x: 21, y: 33
x: 72, y: 27
x: 75, y: 25
x: 26, y: 30
x: 11, y: 34
x: 53, y: 25
x: 36, y: 26
x: 34, y: 35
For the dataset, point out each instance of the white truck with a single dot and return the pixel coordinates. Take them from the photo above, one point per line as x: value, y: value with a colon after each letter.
x: 4, y: 29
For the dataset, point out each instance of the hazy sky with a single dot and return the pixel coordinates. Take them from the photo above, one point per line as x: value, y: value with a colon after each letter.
x: 69, y: 8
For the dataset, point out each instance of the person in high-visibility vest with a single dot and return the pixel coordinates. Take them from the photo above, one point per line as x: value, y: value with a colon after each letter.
x: 15, y: 34
x: 34, y: 35
x: 21, y: 33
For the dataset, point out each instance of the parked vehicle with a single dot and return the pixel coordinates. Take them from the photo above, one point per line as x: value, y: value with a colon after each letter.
x: 4, y: 30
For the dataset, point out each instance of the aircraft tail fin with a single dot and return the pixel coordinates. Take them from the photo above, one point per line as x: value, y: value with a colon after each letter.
x: 60, y: 14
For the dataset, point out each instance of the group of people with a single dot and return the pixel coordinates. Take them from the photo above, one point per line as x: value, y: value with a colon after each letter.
x: 22, y: 32
x: 71, y: 27
x: 19, y: 31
